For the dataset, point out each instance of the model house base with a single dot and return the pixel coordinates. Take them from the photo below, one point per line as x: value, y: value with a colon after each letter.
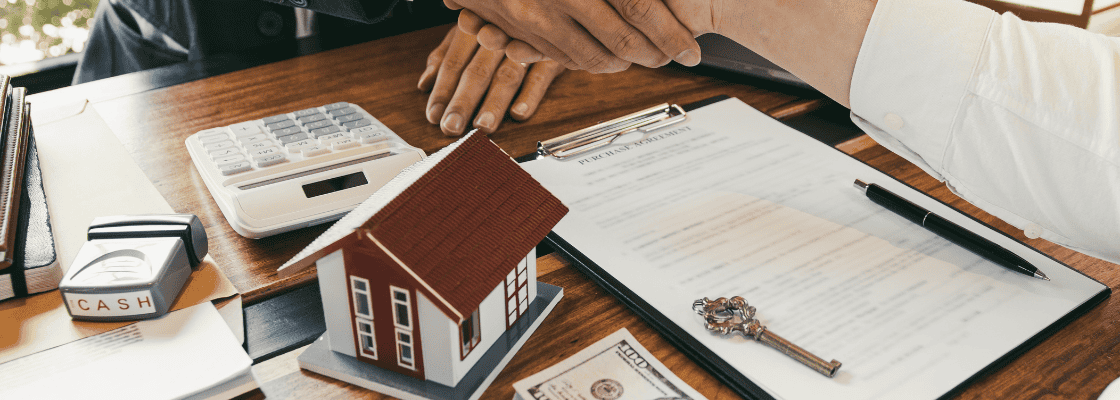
x: 320, y: 359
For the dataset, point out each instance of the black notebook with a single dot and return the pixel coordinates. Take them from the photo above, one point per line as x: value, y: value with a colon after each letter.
x: 35, y: 268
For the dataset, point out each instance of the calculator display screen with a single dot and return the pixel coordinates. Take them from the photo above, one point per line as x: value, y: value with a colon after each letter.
x: 334, y: 184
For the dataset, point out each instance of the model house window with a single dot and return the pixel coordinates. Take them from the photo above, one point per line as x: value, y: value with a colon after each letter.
x: 365, y: 338
x: 402, y: 308
x: 359, y: 288
x: 470, y: 332
x: 517, y: 292
x: 363, y: 317
x: 404, y: 349
x: 402, y: 318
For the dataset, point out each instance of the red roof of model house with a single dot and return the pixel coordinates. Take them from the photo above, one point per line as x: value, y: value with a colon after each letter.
x: 458, y: 222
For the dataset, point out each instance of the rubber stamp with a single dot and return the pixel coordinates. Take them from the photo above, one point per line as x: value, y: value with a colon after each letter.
x: 132, y: 267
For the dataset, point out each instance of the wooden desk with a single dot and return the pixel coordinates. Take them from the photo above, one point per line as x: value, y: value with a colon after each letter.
x: 379, y: 76
x: 1077, y: 362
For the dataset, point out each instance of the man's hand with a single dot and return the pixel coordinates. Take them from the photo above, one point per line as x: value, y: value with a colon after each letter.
x: 459, y: 74
x: 593, y: 35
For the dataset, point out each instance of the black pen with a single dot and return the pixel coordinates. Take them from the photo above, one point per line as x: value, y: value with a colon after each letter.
x: 948, y: 230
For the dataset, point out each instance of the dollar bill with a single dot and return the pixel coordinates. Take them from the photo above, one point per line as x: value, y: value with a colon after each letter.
x: 617, y: 367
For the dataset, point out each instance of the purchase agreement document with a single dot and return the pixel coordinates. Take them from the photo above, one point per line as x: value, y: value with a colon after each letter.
x: 734, y: 203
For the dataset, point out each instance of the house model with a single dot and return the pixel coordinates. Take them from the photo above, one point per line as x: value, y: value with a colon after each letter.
x: 429, y: 287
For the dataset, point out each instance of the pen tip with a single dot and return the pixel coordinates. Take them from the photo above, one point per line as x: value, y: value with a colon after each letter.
x: 861, y: 185
x: 1040, y: 275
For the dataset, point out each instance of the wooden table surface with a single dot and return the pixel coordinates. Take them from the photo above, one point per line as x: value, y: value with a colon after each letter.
x: 379, y: 76
x: 1077, y: 362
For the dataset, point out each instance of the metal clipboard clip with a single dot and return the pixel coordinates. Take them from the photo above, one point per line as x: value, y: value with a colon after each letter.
x: 607, y: 133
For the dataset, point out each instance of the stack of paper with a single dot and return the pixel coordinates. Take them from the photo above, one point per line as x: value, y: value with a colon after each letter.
x: 190, y: 353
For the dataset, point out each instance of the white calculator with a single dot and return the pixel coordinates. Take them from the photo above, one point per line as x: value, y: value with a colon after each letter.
x: 297, y: 169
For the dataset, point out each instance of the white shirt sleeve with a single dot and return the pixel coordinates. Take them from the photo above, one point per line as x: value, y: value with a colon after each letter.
x: 1021, y: 119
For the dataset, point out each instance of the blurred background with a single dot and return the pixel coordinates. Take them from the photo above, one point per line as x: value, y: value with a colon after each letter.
x: 32, y: 30
x: 37, y: 34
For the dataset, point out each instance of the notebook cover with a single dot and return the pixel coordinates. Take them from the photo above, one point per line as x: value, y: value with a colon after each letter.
x: 715, y: 364
x: 5, y: 115
x: 14, y: 152
x: 35, y: 267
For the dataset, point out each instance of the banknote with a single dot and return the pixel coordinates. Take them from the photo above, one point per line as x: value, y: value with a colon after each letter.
x: 617, y: 367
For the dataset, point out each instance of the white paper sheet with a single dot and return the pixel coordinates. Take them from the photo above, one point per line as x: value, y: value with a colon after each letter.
x: 175, y: 356
x: 1064, y: 6
x: 735, y: 203
x: 1102, y: 4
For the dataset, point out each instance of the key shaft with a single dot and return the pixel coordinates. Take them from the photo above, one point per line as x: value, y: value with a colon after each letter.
x: 828, y: 368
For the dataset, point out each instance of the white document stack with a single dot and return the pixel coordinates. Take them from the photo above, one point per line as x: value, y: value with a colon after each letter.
x: 190, y: 353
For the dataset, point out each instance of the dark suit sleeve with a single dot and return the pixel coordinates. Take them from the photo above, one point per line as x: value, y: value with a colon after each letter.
x: 367, y: 11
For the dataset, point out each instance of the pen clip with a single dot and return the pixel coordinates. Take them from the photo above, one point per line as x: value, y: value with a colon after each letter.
x: 605, y: 134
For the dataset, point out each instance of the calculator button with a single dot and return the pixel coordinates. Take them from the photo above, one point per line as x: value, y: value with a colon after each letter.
x: 318, y: 124
x: 371, y: 137
x: 307, y: 119
x: 270, y: 160
x: 213, y: 138
x: 357, y: 124
x: 315, y: 151
x: 363, y: 129
x: 292, y: 138
x: 325, y: 131
x: 217, y: 145
x: 247, y: 130
x: 296, y: 147
x: 287, y: 131
x: 235, y: 168
x: 334, y: 137
x: 280, y: 125
x: 264, y: 152
x: 223, y: 152
x: 348, y: 117
x: 335, y: 106
x: 275, y: 118
x: 223, y: 161
x: 212, y: 132
x: 341, y: 111
x: 344, y: 144
x: 253, y: 139
x: 259, y: 145
x: 306, y: 112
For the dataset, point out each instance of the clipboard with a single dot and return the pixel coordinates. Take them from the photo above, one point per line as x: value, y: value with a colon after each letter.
x: 569, y: 146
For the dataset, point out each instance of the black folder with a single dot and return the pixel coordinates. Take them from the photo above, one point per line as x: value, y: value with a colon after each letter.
x: 713, y: 362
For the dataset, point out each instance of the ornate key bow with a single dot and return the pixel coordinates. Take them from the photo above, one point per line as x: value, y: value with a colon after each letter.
x: 727, y: 316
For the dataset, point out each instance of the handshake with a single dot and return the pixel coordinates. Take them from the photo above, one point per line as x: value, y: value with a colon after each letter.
x: 599, y: 36
x: 485, y: 63
x: 816, y: 40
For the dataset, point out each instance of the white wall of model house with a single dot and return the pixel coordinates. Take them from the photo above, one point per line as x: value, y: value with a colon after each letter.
x: 335, y: 291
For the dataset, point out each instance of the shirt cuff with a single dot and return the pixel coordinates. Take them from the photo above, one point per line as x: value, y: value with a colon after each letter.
x: 912, y: 72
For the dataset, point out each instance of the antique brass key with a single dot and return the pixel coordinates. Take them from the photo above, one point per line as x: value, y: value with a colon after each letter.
x: 729, y: 316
